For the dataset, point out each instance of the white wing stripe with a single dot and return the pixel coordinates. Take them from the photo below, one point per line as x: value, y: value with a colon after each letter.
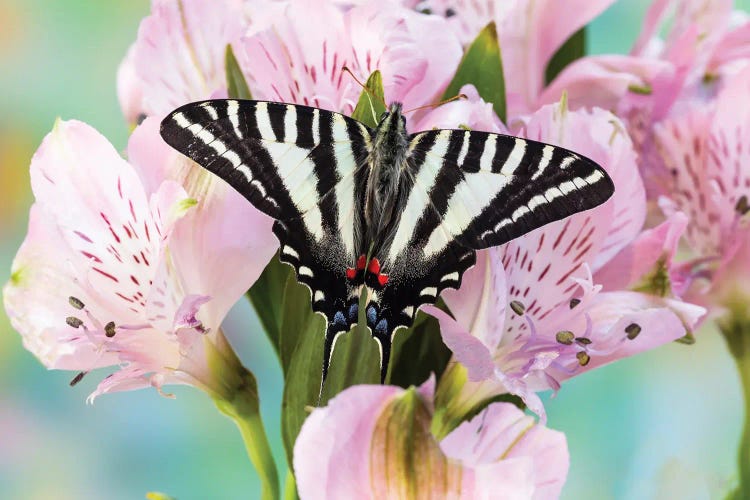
x: 485, y: 161
x: 464, y: 149
x: 232, y: 110
x: 514, y: 158
x: 264, y: 122
x: 290, y: 124
x: 546, y: 158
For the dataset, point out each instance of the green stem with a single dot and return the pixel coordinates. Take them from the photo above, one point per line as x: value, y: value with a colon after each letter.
x: 736, y: 329
x: 244, y: 410
x: 290, y: 487
x: 744, y: 455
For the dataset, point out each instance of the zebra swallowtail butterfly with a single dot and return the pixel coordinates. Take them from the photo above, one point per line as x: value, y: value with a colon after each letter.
x: 401, y: 214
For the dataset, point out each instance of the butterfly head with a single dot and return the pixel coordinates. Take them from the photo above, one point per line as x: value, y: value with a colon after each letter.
x: 392, y: 122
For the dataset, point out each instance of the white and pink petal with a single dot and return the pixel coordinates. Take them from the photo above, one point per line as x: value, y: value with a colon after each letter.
x: 178, y: 56
x: 375, y: 442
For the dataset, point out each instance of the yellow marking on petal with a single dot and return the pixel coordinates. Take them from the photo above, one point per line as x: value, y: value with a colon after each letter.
x: 406, y: 459
x: 182, y: 206
x: 616, y: 129
x: 17, y: 276
x: 191, y: 49
x: 518, y: 438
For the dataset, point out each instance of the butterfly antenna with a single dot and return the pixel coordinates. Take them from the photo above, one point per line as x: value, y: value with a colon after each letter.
x: 365, y: 87
x: 440, y: 103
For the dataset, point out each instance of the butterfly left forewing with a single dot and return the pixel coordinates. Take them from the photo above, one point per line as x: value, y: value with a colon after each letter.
x: 298, y: 164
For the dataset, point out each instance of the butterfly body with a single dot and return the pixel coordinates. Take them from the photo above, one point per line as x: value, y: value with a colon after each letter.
x: 399, y: 215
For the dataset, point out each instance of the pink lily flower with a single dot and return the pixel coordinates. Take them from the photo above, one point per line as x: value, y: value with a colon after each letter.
x: 707, y: 43
x: 375, y: 442
x: 178, y: 56
x: 575, y: 294
x: 706, y: 151
x: 123, y: 267
x: 301, y: 57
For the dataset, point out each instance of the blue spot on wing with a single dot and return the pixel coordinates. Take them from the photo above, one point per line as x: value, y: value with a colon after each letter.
x: 372, y: 315
x: 382, y: 327
x: 353, y: 309
x: 339, y: 319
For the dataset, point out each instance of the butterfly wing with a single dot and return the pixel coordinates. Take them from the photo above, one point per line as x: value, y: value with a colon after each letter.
x: 468, y: 191
x: 303, y: 167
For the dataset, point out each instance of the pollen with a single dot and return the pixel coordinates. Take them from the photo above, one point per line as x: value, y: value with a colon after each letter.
x: 109, y: 329
x: 517, y: 307
x: 73, y: 321
x: 583, y: 358
x: 632, y: 330
x: 75, y: 302
x: 565, y: 337
x: 742, y: 207
x: 77, y: 378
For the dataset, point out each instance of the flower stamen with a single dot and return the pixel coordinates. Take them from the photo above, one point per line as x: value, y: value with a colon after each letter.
x: 632, y: 330
x: 77, y: 378
x: 517, y: 307
x: 75, y: 302
x: 583, y: 358
x: 73, y: 321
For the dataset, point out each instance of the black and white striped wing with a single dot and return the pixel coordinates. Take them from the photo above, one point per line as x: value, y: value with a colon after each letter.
x: 298, y: 164
x: 473, y: 190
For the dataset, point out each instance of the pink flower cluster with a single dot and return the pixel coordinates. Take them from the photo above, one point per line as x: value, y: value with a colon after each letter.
x: 134, y: 264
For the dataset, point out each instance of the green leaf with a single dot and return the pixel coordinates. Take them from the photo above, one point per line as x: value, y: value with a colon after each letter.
x: 236, y: 84
x: 418, y: 352
x: 298, y: 321
x: 482, y: 66
x: 355, y: 360
x: 573, y: 48
x: 267, y: 294
x: 303, y: 375
x: 370, y: 107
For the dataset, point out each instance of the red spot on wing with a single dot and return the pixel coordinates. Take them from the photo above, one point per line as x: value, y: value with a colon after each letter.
x: 382, y: 279
x: 374, y: 266
x: 361, y: 262
x: 351, y: 273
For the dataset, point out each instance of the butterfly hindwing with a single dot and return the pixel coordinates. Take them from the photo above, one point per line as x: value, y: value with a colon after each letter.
x: 301, y: 166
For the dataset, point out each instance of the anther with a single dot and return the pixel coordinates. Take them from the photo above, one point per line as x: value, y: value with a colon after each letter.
x: 583, y: 358
x: 73, y: 321
x: 574, y: 302
x: 583, y: 341
x: 742, y: 207
x: 565, y: 337
x: 632, y: 330
x: 109, y: 329
x: 77, y: 378
x: 75, y: 302
x: 517, y: 307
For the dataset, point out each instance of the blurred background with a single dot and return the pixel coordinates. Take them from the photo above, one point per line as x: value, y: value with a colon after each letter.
x: 662, y: 425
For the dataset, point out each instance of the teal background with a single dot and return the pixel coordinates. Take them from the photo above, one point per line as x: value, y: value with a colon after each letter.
x: 669, y: 418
